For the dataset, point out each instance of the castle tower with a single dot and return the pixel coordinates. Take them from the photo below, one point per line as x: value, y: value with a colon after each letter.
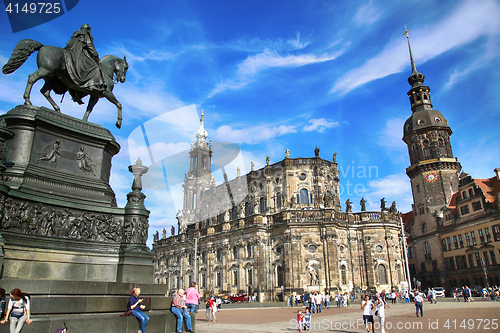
x: 199, y: 178
x: 433, y: 169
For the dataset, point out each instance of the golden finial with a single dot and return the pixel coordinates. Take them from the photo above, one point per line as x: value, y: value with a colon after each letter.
x: 406, y: 32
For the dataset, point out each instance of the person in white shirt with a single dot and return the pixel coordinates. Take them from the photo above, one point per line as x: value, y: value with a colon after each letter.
x: 380, y: 312
x: 419, y: 303
x: 367, y: 307
x: 319, y: 299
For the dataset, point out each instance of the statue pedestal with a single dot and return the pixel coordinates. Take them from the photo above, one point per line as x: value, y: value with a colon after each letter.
x: 64, y: 240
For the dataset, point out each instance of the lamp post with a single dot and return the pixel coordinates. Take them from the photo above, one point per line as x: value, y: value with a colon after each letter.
x: 405, y: 252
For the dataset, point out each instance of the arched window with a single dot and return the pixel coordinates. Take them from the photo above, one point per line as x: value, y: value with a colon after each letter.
x: 235, y: 252
x: 247, y: 209
x: 471, y: 193
x: 280, y: 276
x: 442, y: 147
x: 250, y: 250
x: 190, y: 259
x: 427, y: 248
x: 219, y: 255
x: 382, y: 274
x: 278, y: 200
x: 304, y: 196
x: 263, y: 205
x: 218, y: 279
x: 249, y: 275
x: 235, y: 277
x: 427, y: 149
x: 204, y: 257
x: 234, y: 213
x: 343, y: 274
x: 424, y: 227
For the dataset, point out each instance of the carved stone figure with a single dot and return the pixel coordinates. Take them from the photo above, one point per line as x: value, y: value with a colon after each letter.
x: 393, y: 208
x: 172, y: 231
x: 287, y: 153
x: 268, y: 160
x: 348, y: 206
x: 50, y: 153
x: 362, y: 202
x: 76, y: 69
x: 316, y: 152
x: 252, y: 166
x: 85, y: 162
x: 328, y: 199
x: 335, y: 157
x: 382, y: 204
x: 314, y: 278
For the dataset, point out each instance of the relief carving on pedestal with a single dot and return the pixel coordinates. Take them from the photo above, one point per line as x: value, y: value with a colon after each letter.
x: 45, y: 220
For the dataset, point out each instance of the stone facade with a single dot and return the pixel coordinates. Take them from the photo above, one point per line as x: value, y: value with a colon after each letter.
x: 277, y: 229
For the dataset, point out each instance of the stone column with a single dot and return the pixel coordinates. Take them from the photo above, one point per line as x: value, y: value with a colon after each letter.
x: 135, y: 258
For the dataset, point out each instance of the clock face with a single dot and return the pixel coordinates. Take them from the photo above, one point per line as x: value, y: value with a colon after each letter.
x: 431, y: 177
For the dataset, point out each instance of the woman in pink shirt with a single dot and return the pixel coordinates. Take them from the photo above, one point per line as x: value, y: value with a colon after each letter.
x: 192, y: 298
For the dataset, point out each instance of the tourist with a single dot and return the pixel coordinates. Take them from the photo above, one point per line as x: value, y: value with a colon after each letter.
x: 208, y: 308
x: 18, y: 311
x: 218, y: 302
x: 419, y: 304
x: 214, y: 308
x: 327, y: 300
x: 455, y: 295
x: 179, y: 309
x: 380, y: 312
x: 288, y: 301
x: 367, y: 307
x: 407, y: 296
x: 192, y: 298
x: 312, y: 300
x: 338, y: 299
x: 307, y: 319
x: 134, y: 305
x: 434, y: 300
x: 319, y: 299
x: 300, y: 318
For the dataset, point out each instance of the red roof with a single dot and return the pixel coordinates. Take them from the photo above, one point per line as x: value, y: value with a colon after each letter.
x: 453, y: 203
x: 490, y: 188
x: 407, y: 217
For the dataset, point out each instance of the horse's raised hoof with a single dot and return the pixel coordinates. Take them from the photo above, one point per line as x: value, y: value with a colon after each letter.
x: 27, y: 102
x: 119, y: 123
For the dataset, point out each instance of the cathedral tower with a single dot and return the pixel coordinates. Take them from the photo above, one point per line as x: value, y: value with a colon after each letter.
x: 433, y: 169
x: 199, y: 178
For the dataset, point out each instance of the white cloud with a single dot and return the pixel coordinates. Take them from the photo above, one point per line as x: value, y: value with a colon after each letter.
x: 394, y: 187
x: 390, y: 138
x: 468, y: 22
x: 320, y: 125
x: 252, y: 135
x: 250, y: 67
x: 367, y: 14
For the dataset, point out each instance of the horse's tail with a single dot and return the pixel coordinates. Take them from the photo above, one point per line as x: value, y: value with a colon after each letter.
x: 21, y: 52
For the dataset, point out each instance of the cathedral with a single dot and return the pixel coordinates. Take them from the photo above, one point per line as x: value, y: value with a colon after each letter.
x: 454, y: 227
x: 275, y: 231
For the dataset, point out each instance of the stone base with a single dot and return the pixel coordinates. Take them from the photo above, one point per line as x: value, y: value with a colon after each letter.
x: 89, y: 307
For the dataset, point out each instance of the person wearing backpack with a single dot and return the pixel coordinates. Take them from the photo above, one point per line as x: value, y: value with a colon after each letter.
x: 18, y: 311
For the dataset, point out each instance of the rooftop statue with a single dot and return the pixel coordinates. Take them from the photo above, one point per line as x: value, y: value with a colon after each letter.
x: 76, y: 69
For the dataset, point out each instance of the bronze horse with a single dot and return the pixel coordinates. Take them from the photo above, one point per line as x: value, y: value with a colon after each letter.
x: 52, y: 68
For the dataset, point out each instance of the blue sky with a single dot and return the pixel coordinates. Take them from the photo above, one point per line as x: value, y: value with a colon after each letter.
x: 272, y: 75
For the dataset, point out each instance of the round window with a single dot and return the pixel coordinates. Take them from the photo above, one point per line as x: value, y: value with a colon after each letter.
x: 302, y: 176
x: 379, y: 248
x: 312, y: 248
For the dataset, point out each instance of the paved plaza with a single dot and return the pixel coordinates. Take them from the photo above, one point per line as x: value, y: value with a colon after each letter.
x: 445, y: 316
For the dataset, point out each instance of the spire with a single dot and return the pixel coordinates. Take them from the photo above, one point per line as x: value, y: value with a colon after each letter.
x: 202, y: 134
x: 416, y: 78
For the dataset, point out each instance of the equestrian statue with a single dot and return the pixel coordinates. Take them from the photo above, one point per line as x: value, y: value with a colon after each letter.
x: 76, y: 69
